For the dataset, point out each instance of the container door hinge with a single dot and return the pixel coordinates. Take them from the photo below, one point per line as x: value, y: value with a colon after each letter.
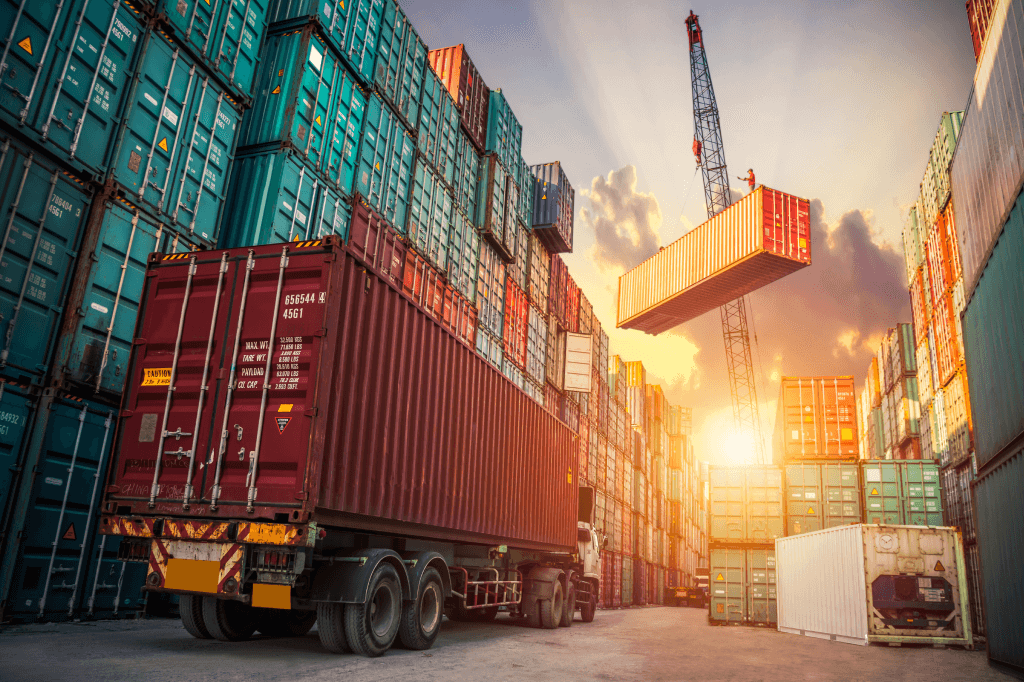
x: 320, y: 332
x: 312, y: 412
x: 127, y: 413
x: 139, y: 342
x: 113, y: 489
x: 301, y: 495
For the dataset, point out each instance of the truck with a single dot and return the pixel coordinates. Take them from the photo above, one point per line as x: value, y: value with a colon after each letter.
x: 305, y: 439
x: 695, y: 594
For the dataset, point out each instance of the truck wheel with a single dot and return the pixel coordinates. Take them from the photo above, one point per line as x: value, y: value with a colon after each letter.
x: 371, y: 628
x: 551, y: 609
x: 569, y: 609
x: 330, y: 624
x: 228, y: 620
x: 421, y: 618
x: 589, y: 609
x: 278, y: 623
x: 190, y: 607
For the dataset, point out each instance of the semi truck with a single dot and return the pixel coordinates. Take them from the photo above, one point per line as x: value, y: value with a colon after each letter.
x: 305, y: 439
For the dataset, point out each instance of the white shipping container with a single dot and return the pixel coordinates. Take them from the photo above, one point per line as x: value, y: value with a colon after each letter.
x: 869, y: 583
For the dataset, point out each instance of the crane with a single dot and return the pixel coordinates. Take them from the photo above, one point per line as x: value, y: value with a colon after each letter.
x: 707, y: 134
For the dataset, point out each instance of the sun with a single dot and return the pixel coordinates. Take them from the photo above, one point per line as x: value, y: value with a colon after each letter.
x: 737, y: 448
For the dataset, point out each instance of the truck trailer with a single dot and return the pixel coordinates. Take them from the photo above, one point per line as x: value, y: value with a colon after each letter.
x: 300, y: 442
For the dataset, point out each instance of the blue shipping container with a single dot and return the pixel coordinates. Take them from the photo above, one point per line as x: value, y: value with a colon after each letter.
x: 431, y: 214
x: 993, y: 327
x: 176, y: 144
x: 401, y: 60
x: 15, y: 410
x: 306, y: 97
x: 466, y: 178
x: 386, y: 156
x: 44, y: 212
x: 504, y: 132
x: 554, y: 203
x: 68, y: 449
x: 463, y: 256
x: 527, y: 185
x: 352, y: 28
x: 99, y: 323
x: 275, y: 197
x: 439, y: 130
x: 66, y: 76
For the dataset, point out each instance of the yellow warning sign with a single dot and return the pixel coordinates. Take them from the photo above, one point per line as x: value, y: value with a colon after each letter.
x: 69, y: 534
x: 162, y: 144
x: 810, y: 510
x: 317, y: 119
x: 26, y: 44
x: 939, y: 566
x: 276, y: 91
x: 874, y: 491
x: 720, y: 577
x: 159, y: 376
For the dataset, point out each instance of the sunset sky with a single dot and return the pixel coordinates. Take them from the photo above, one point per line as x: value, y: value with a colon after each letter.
x: 835, y: 102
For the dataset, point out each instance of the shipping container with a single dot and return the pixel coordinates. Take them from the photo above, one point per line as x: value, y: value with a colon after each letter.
x: 496, y: 193
x: 958, y: 420
x: 746, y: 504
x: 913, y: 243
x: 902, y: 492
x: 554, y: 202
x: 868, y: 584
x: 504, y: 132
x: 989, y: 160
x: 527, y: 184
x: 539, y: 273
x: 816, y: 419
x: 742, y: 586
x: 555, y: 369
x: 490, y: 296
x: 306, y: 98
x: 351, y: 28
x: 17, y: 405
x: 438, y: 136
x: 67, y: 75
x: 466, y: 178
x: 972, y: 555
x: 463, y: 256
x: 1000, y: 507
x: 386, y: 157
x: 373, y: 241
x: 759, y: 239
x: 176, y: 142
x: 431, y: 215
x: 993, y: 325
x: 45, y: 211
x: 275, y: 197
x: 979, y: 17
x: 959, y: 508
x: 906, y: 411
x: 822, y: 495
x: 901, y: 356
x: 518, y: 268
x: 400, y: 64
x: 517, y: 319
x: 464, y: 83
x: 537, y: 346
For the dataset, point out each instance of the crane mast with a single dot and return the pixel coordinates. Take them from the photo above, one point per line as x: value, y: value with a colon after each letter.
x: 707, y: 133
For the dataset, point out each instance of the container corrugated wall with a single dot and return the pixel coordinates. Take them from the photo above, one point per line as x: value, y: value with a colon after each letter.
x: 401, y: 60
x: 464, y: 83
x: 816, y: 419
x: 757, y: 240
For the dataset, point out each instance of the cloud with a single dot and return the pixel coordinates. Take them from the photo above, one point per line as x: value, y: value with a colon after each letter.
x: 626, y: 222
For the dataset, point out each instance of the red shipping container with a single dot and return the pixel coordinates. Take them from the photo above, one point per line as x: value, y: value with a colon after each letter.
x: 355, y: 408
x: 909, y: 450
x: 918, y: 304
x: 373, y: 242
x: 979, y: 17
x: 816, y: 419
x: 456, y: 70
x: 517, y: 317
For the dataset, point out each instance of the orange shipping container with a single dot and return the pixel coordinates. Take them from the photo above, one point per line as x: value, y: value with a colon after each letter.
x: 816, y: 419
x: 917, y: 304
x: 948, y: 354
x: 759, y: 239
x: 946, y: 217
x: 939, y: 258
x: 874, y: 384
x: 456, y: 70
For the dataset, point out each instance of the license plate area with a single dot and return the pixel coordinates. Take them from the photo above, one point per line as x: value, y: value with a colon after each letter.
x: 192, y: 575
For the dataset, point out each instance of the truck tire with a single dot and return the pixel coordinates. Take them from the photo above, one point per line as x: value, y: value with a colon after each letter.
x: 421, y: 618
x: 190, y: 607
x: 569, y: 609
x: 330, y: 624
x: 279, y: 623
x: 589, y: 609
x: 551, y: 609
x: 371, y: 627
x: 228, y: 620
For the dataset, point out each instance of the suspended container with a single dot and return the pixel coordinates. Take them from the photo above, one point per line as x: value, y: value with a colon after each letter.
x: 306, y: 99
x: 401, y: 60
x: 44, y: 214
x: 759, y: 239
x: 387, y: 155
x: 72, y: 64
x: 553, y: 210
x: 463, y: 81
x: 868, y: 584
x: 177, y: 140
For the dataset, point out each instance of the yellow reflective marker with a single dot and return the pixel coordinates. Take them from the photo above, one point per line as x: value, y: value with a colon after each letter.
x: 720, y: 577
x: 285, y: 407
x: 874, y: 491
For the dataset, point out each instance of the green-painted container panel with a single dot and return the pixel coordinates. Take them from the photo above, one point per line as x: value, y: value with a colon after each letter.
x: 902, y: 492
x: 401, y: 60
x: 993, y: 328
x: 385, y: 163
x: 504, y: 131
x: 431, y: 216
x: 728, y: 585
x: 746, y: 504
x: 464, y: 256
x: 466, y: 177
x: 761, y: 589
x: 439, y: 131
x: 15, y: 411
x: 822, y: 495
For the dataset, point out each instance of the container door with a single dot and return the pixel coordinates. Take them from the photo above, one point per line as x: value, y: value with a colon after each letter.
x: 842, y: 494
x: 882, y: 493
x: 761, y: 602
x: 764, y: 504
x: 32, y: 31
x: 728, y: 580
x: 15, y: 409
x: 239, y: 42
x: 803, y: 498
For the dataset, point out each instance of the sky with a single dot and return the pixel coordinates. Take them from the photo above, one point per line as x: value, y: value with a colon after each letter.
x: 836, y: 102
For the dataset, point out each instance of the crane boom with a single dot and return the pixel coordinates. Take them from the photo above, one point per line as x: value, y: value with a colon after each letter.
x: 707, y: 133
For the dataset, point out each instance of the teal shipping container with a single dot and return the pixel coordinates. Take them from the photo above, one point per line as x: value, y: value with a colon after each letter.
x: 99, y: 322
x: 224, y: 36
x: 822, y: 495
x: 490, y: 347
x: 431, y: 215
x: 463, y: 256
x: 527, y: 185
x: 46, y: 562
x: 504, y: 132
x: 352, y: 28
x: 492, y: 207
x: 306, y: 98
x: 742, y: 586
x: 762, y: 606
x: 43, y: 211
x: 16, y: 403
x: 901, y: 355
x: 746, y: 504
x: 902, y: 492
x: 1000, y: 507
x: 401, y: 62
x: 386, y: 157
x: 993, y: 327
x: 490, y: 292
x: 67, y: 75
x: 439, y: 130
x: 275, y: 197
x: 174, y: 151
x: 466, y: 179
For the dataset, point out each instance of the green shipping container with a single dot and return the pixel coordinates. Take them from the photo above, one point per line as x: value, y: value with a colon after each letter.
x: 746, y: 504
x: 385, y: 167
x: 431, y: 216
x: 761, y: 589
x: 465, y: 180
x: 742, y: 586
x: 438, y: 137
x: 504, y: 132
x: 822, y: 495
x: 401, y: 60
x: 902, y: 492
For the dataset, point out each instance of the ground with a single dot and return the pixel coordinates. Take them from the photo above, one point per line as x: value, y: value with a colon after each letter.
x: 652, y: 643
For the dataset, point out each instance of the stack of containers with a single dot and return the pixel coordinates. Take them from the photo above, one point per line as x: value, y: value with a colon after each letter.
x: 118, y: 145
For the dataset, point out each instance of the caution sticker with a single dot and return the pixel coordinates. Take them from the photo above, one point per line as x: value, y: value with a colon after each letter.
x: 26, y: 44
x: 282, y: 423
x: 157, y: 376
x: 720, y: 577
x: 69, y: 534
x: 874, y: 491
x: 939, y: 566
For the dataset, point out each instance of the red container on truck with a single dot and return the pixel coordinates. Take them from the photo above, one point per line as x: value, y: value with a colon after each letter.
x: 301, y: 441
